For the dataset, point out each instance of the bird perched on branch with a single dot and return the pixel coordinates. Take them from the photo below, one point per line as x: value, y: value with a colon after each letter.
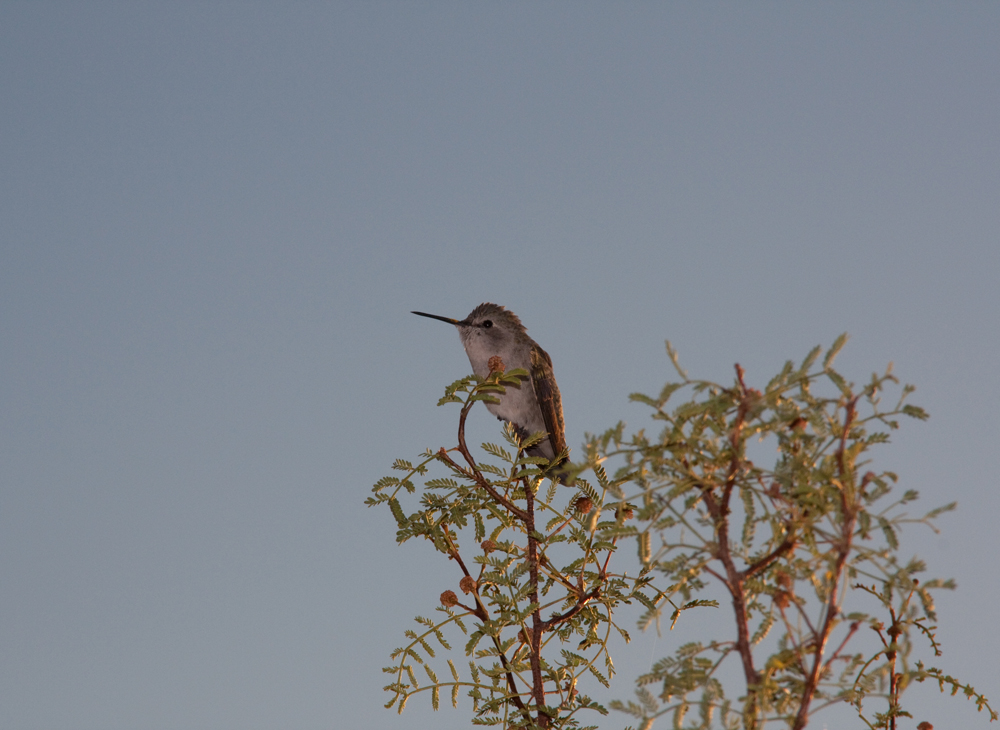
x: 493, y: 331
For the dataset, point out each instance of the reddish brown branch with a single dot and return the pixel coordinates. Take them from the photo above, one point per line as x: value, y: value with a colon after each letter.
x: 853, y: 630
x: 527, y: 516
x: 719, y: 577
x: 554, y: 574
x: 537, y: 625
x: 843, y: 547
x: 473, y: 471
x: 607, y: 560
x: 719, y: 511
x: 482, y: 613
x: 580, y: 605
x: 761, y: 564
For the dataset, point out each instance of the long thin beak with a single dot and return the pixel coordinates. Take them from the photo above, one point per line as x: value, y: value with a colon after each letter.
x: 434, y: 316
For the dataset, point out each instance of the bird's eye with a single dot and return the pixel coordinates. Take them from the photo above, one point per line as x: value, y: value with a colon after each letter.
x: 487, y: 324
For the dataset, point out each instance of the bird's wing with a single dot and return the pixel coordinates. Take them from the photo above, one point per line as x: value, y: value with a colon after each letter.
x: 549, y: 400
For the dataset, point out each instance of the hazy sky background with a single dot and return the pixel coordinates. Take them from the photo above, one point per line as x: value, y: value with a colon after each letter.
x: 215, y: 219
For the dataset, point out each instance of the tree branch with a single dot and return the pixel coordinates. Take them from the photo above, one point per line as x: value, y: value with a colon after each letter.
x: 734, y: 578
x: 537, y: 625
x: 473, y: 472
x: 843, y: 551
x: 761, y: 564
x: 482, y: 613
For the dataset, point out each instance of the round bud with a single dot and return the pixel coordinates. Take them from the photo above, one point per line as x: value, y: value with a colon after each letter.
x: 467, y: 584
x: 781, y: 599
x: 448, y: 598
x: 783, y: 578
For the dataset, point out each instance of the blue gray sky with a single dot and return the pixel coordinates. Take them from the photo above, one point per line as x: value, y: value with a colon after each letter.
x: 216, y: 217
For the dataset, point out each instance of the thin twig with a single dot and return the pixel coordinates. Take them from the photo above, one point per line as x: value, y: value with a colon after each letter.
x: 482, y: 614
x: 474, y: 472
x: 761, y: 564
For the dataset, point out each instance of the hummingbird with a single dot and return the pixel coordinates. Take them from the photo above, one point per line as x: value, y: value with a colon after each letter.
x: 534, y: 406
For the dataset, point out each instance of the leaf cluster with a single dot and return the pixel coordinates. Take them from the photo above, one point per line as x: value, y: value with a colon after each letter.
x: 535, y: 561
x: 769, y: 494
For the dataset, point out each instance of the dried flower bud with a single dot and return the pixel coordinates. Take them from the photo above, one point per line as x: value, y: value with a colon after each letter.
x: 624, y: 514
x: 583, y: 505
x: 488, y: 546
x: 925, y: 726
x: 448, y: 598
x: 781, y: 599
x: 784, y: 579
x: 467, y: 584
x: 799, y: 422
x: 495, y: 364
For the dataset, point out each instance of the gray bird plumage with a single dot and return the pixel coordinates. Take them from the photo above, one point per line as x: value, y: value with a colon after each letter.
x: 535, y: 406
